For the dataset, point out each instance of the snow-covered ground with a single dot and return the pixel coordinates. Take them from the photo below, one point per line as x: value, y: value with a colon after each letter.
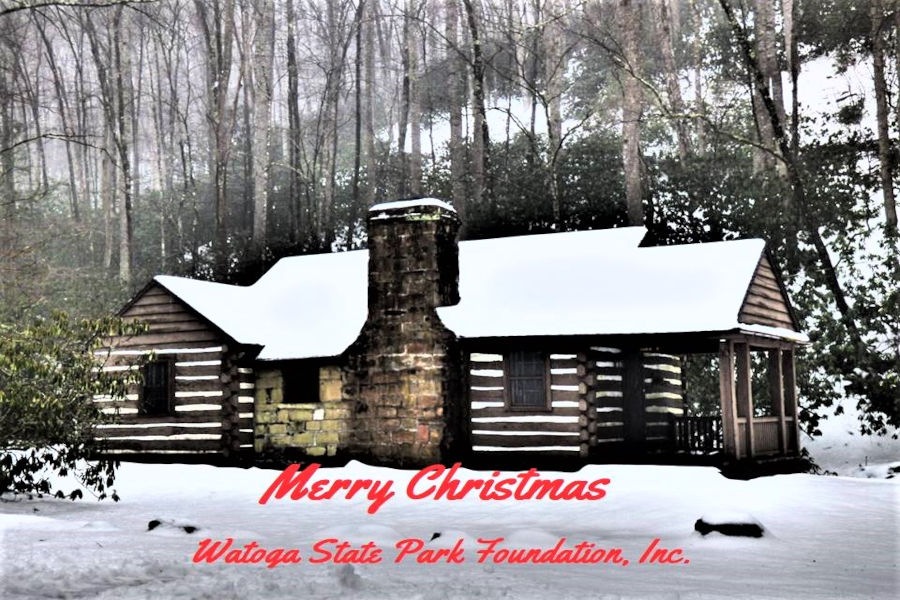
x: 843, y: 450
x: 825, y: 537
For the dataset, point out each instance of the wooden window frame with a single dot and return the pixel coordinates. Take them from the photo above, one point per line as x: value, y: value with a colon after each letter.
x: 507, y: 388
x: 170, y: 388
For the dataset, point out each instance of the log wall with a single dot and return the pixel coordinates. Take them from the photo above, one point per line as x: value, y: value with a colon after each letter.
x: 213, y: 404
x: 586, y: 403
x: 607, y: 396
x: 662, y: 396
x: 495, y: 429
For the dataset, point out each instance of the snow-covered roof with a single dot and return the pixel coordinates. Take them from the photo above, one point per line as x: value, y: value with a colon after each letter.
x: 303, y: 307
x: 576, y: 283
x: 399, y: 204
x: 591, y: 288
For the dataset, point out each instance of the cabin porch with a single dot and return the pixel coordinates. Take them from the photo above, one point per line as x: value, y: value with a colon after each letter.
x: 745, y: 428
x: 747, y: 433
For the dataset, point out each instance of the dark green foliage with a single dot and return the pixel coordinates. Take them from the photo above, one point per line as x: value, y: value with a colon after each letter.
x: 50, y: 264
x: 590, y: 182
x: 837, y: 27
x: 48, y: 377
x: 700, y: 381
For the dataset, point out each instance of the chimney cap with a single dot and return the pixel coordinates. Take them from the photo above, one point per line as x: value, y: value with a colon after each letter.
x: 411, y: 203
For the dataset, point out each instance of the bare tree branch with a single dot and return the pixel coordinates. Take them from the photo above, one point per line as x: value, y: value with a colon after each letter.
x: 19, y: 5
x: 71, y: 138
x: 665, y: 110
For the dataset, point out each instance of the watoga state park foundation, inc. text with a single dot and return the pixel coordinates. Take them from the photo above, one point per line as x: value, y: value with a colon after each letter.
x: 415, y: 550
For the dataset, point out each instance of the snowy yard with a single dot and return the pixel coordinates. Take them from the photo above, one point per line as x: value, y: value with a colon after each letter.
x: 826, y: 537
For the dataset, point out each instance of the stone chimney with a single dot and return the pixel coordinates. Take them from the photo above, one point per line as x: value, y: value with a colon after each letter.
x: 404, y: 368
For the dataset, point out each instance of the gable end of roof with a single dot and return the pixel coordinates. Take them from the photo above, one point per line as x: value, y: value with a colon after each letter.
x: 766, y: 301
x: 151, y: 297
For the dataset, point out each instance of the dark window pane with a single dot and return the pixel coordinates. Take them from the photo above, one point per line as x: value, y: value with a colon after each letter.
x: 526, y: 364
x: 528, y: 392
x: 527, y: 386
x: 157, y: 393
x: 301, y: 383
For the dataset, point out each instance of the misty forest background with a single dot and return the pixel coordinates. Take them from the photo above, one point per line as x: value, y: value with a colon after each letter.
x: 209, y: 138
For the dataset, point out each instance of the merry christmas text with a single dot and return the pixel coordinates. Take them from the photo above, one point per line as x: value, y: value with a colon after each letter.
x: 435, y: 482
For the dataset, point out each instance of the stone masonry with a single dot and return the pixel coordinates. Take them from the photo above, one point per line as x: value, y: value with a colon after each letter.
x: 403, y: 370
x: 313, y: 428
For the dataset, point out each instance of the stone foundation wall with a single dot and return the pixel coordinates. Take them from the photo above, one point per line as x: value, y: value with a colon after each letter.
x: 312, y: 428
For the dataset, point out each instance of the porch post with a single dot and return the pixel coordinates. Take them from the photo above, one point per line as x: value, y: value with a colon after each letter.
x: 790, y: 395
x: 776, y: 390
x: 744, y: 392
x: 726, y: 399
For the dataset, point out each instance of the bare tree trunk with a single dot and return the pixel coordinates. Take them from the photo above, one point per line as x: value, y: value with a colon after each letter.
x: 699, y: 105
x: 82, y: 158
x: 338, y: 34
x: 554, y: 67
x: 107, y: 195
x: 112, y: 80
x: 293, y: 102
x: 218, y: 35
x: 8, y: 195
x: 673, y: 89
x: 122, y: 79
x: 263, y: 62
x: 156, y: 110
x: 632, y: 109
x: 177, y: 144
x: 403, y: 124
x: 415, y: 102
x: 674, y: 9
x: 481, y: 143
x: 766, y: 48
x: 246, y: 75
x: 531, y: 79
x: 63, y: 107
x: 897, y: 61
x: 455, y: 75
x: 789, y: 8
x: 370, y: 15
x: 163, y: 146
x: 430, y: 50
x: 135, y: 86
x: 355, y: 200
x: 876, y: 15
x: 28, y: 152
x: 32, y: 95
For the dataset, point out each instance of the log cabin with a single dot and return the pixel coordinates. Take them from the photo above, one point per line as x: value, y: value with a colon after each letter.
x: 423, y: 349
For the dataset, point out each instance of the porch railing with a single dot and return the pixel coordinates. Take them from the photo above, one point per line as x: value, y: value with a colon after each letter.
x: 697, y: 435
